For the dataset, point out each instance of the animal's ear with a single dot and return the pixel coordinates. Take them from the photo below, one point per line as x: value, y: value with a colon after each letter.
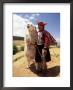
x: 31, y: 25
x: 27, y: 25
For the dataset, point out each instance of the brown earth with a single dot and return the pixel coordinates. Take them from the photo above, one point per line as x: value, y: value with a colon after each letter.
x: 20, y: 65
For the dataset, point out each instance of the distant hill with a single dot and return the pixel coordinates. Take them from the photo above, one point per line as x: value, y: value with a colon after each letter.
x: 18, y: 38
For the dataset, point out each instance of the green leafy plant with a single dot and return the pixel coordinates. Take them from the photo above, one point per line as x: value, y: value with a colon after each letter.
x: 15, y: 49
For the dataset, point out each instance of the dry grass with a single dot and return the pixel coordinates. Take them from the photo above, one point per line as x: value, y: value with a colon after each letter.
x: 19, y: 65
x: 18, y: 42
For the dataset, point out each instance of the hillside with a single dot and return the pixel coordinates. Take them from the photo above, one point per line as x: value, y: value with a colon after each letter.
x: 18, y: 38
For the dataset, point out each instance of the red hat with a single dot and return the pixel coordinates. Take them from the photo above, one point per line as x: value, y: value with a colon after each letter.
x: 41, y: 23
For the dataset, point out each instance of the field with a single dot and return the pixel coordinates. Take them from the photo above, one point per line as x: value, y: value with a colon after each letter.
x: 20, y: 63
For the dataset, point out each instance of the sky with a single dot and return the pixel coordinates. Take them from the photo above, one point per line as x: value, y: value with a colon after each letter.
x: 20, y: 21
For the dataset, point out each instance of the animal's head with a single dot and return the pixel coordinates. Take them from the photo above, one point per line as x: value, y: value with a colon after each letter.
x: 30, y: 27
x: 32, y: 33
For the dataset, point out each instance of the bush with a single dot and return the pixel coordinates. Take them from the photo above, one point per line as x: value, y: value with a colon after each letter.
x: 15, y: 49
x: 22, y: 48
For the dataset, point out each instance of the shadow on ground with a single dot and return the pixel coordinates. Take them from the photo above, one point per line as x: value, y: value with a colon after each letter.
x: 51, y: 72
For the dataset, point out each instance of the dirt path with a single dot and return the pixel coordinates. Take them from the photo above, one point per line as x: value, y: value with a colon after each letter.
x: 20, y: 70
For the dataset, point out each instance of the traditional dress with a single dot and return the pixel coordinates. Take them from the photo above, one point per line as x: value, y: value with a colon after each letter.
x: 43, y: 41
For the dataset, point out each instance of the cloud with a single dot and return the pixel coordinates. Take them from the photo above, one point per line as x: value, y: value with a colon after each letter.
x: 20, y: 22
x: 33, y: 16
x: 29, y: 17
x: 37, y: 14
x: 26, y: 16
x: 19, y: 25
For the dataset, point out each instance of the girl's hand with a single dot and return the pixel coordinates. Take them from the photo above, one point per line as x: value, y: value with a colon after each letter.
x: 44, y: 52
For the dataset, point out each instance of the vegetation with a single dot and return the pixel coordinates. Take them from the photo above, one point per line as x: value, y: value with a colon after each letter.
x: 15, y: 49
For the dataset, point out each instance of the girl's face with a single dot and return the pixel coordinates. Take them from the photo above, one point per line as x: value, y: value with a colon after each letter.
x: 40, y: 27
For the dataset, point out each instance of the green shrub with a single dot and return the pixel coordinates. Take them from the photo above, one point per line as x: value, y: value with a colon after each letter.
x: 15, y: 49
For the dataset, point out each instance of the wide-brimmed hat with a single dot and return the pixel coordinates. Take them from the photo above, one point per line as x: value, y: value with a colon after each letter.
x: 41, y: 23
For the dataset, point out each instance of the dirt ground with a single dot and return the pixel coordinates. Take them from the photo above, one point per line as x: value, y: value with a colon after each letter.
x: 20, y: 65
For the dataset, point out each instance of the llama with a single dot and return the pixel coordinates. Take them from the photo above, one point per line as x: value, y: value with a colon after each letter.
x: 31, y: 39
